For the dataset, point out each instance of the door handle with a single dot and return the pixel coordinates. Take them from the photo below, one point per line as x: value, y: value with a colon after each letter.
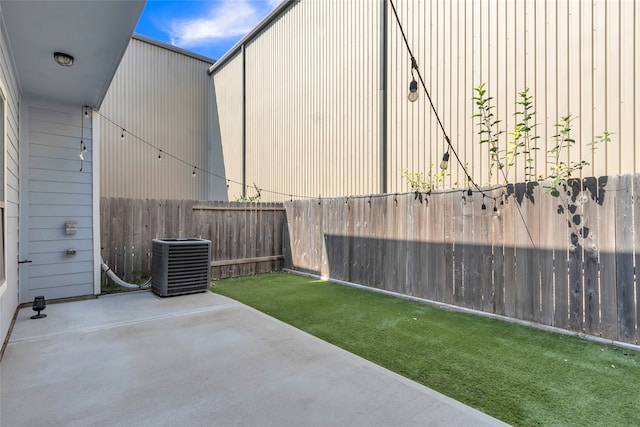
x: 25, y: 261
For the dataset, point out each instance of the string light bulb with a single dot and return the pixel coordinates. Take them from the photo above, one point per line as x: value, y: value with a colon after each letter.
x: 444, y: 164
x: 193, y: 174
x: 159, y: 154
x: 86, y: 112
x: 413, y: 90
x: 484, y: 205
x: 469, y: 192
x: 122, y: 134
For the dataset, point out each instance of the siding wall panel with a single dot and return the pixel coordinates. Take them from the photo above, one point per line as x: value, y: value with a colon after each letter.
x: 11, y: 93
x: 159, y: 96
x: 228, y: 90
x: 51, y: 200
x: 312, y: 105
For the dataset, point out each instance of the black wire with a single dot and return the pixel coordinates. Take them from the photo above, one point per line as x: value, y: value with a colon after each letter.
x: 291, y: 196
x: 82, y: 139
x: 228, y: 180
x: 414, y: 65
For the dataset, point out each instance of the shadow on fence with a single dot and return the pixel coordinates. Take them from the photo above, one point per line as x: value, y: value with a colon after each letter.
x: 567, y: 262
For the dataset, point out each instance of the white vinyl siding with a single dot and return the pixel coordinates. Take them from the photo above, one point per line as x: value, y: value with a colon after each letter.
x: 11, y: 95
x: 58, y: 192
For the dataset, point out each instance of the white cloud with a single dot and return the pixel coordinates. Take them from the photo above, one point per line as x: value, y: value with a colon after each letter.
x: 230, y: 18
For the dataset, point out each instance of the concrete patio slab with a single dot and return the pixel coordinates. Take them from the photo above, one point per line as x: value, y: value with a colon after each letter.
x: 198, y: 360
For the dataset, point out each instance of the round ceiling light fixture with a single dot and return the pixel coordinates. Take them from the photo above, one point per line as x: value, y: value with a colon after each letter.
x: 63, y: 59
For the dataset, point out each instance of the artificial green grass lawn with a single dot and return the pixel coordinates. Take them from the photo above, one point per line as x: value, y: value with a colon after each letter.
x: 521, y: 375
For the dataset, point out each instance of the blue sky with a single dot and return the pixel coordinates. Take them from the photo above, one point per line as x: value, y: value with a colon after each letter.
x: 207, y: 27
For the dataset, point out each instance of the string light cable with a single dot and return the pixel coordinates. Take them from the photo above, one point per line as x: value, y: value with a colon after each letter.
x: 83, y: 146
x: 471, y: 181
x: 290, y: 196
x: 162, y: 154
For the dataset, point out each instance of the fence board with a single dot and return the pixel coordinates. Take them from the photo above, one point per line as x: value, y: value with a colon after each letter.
x: 434, y: 248
x: 390, y: 248
x: 497, y: 245
x: 137, y: 243
x: 559, y: 242
x: 149, y: 214
x: 357, y: 271
x: 549, y: 217
x: 525, y: 276
x: 608, y: 274
x: 401, y: 203
x: 636, y: 239
x: 590, y: 238
x: 576, y: 291
x: 459, y: 249
x: 415, y: 238
x: 486, y: 256
x: 449, y: 237
x: 624, y: 260
x: 368, y: 245
x: 122, y: 243
x: 533, y: 215
x: 509, y: 251
x: 473, y: 261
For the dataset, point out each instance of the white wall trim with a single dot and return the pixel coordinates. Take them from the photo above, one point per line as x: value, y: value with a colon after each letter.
x: 95, y: 158
x: 3, y: 142
x: 23, y: 196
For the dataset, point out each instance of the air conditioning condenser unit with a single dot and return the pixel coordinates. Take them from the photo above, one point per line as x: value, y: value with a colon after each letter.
x: 180, y: 266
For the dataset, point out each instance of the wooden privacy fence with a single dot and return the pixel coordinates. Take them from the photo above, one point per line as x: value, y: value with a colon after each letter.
x: 566, y: 262
x: 246, y: 238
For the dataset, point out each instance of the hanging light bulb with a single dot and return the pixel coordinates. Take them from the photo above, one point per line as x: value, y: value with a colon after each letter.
x: 444, y: 164
x: 469, y: 192
x: 122, y: 134
x: 193, y: 174
x: 413, y: 90
x: 484, y: 205
x: 159, y: 154
x: 86, y: 112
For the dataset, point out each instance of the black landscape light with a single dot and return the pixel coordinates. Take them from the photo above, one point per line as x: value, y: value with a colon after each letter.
x: 39, y: 304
